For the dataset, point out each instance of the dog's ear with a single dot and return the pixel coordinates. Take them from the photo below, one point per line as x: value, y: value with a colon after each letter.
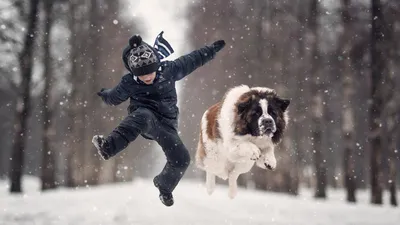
x: 282, y: 103
x: 243, y: 104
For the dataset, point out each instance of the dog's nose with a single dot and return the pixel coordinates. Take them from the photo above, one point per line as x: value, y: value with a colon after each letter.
x: 268, y: 123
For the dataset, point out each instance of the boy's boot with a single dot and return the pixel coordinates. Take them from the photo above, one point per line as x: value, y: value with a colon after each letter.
x: 102, y: 145
x: 166, y: 198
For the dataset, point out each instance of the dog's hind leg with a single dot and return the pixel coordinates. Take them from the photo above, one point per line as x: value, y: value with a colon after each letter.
x: 210, y: 182
x: 233, y: 184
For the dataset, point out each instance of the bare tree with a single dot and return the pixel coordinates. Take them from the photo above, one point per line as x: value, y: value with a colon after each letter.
x: 23, y: 108
x: 298, y: 108
x: 392, y: 155
x: 48, y: 155
x: 317, y: 103
x: 392, y: 106
x: 8, y: 87
x: 75, y: 128
x: 71, y: 145
x: 392, y: 125
x: 92, y: 164
x: 378, y: 69
x: 348, y: 126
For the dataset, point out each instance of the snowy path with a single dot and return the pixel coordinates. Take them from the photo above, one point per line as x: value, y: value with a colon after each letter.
x: 137, y: 203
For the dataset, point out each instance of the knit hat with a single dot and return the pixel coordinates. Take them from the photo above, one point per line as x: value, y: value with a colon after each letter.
x: 140, y: 58
x: 138, y: 49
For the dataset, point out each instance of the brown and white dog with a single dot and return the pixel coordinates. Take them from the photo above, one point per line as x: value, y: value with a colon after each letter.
x: 239, y: 131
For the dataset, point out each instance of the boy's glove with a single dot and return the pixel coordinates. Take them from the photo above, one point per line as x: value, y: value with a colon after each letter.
x: 100, y: 93
x: 103, y: 94
x: 218, y: 45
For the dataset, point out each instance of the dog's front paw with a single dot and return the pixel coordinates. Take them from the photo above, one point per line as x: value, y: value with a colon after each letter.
x: 244, y: 152
x: 267, y: 161
x: 270, y: 162
x: 256, y: 153
x: 250, y: 151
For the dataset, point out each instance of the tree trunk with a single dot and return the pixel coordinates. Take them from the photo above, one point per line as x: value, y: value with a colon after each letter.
x: 299, y: 107
x: 375, y: 112
x: 93, y: 163
x: 48, y: 160
x: 23, y: 103
x: 348, y: 123
x: 317, y: 105
x: 73, y: 144
x: 392, y: 106
x: 360, y: 48
x: 349, y: 165
x: 392, y: 169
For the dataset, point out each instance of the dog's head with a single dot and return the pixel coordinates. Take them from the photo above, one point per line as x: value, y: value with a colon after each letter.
x: 261, y: 112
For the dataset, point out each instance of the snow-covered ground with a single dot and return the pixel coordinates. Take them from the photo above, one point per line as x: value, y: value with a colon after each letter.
x: 138, y: 203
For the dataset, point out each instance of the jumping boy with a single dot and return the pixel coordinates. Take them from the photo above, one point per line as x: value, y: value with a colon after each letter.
x: 150, y: 86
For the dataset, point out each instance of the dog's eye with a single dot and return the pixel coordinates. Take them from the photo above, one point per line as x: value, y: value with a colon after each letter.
x: 257, y: 112
x: 271, y: 111
x: 273, y: 114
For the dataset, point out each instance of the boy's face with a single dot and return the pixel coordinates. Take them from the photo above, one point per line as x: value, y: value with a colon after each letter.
x: 148, y: 78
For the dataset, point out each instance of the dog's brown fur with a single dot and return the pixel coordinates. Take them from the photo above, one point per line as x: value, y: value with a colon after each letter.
x: 212, y: 118
x: 212, y: 131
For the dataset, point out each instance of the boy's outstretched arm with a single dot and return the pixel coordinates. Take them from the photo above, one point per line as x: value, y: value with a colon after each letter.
x: 116, y: 95
x: 186, y: 64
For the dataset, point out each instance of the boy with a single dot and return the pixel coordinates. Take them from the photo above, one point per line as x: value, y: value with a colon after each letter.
x: 150, y: 85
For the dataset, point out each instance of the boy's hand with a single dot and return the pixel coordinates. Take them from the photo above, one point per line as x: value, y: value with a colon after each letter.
x: 218, y: 45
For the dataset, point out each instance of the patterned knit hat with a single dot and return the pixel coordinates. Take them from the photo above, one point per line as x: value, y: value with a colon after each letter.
x: 140, y: 58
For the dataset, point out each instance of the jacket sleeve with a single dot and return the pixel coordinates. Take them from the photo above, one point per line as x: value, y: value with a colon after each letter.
x: 116, y: 95
x: 186, y: 64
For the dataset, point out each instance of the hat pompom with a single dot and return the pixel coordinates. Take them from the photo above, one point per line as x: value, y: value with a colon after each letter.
x: 135, y: 41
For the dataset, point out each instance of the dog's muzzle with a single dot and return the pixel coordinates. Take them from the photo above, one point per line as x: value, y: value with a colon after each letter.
x: 268, y: 126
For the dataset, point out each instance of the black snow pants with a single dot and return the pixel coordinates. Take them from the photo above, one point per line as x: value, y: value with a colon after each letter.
x: 164, y: 131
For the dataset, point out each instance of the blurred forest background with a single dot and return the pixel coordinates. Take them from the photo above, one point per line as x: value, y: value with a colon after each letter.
x: 336, y: 60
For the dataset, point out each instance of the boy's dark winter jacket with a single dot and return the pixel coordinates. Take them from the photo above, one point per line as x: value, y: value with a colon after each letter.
x: 160, y: 97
